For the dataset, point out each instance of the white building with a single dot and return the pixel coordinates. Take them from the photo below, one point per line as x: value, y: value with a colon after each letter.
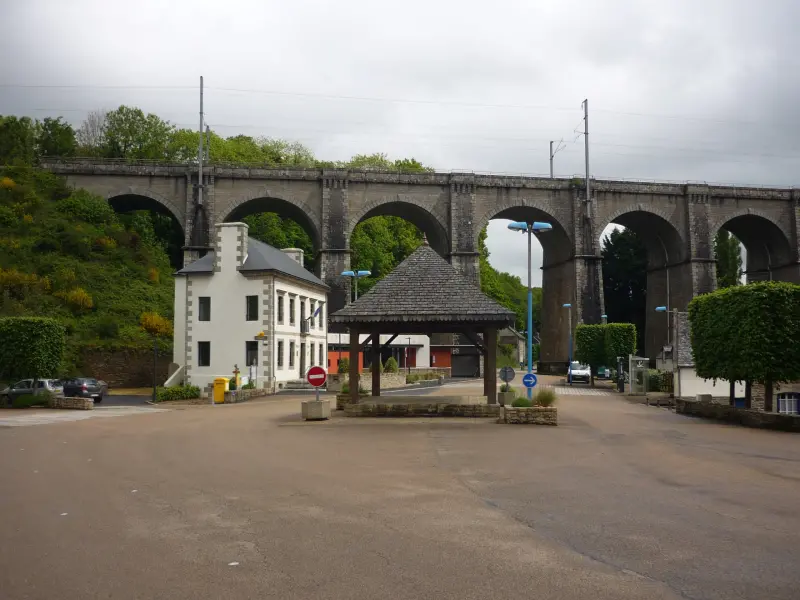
x: 223, y: 302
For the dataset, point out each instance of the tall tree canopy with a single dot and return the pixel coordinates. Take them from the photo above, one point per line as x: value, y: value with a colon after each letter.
x: 625, y: 279
x: 729, y: 259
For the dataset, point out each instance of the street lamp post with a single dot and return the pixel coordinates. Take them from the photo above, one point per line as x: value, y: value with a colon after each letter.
x: 568, y: 306
x: 605, y: 319
x: 355, y: 275
x: 530, y: 229
x: 665, y: 310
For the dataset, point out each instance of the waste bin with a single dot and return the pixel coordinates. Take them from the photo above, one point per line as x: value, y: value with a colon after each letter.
x: 220, y: 387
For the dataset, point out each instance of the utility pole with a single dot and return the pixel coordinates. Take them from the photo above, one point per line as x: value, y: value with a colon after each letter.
x: 200, y: 150
x: 586, y: 145
x: 553, y: 153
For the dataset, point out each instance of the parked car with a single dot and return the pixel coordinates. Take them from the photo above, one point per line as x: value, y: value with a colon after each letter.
x: 580, y: 372
x: 86, y: 387
x: 25, y: 386
x: 603, y: 373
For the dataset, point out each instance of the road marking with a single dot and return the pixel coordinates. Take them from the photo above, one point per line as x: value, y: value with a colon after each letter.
x: 65, y: 416
x: 64, y: 514
x: 134, y: 491
x: 233, y: 564
x: 566, y: 390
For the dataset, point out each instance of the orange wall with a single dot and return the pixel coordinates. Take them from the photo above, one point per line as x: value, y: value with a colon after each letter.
x: 335, y: 355
x: 440, y: 357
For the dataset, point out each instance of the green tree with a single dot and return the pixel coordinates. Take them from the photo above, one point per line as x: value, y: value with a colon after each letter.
x: 17, y: 141
x: 281, y: 232
x: 625, y: 279
x: 728, y: 251
x: 748, y: 333
x: 129, y: 133
x: 30, y: 347
x: 55, y: 138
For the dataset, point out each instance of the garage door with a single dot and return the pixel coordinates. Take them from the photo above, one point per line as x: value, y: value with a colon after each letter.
x: 465, y: 365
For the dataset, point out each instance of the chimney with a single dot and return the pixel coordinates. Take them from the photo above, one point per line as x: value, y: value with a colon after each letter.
x: 296, y: 254
x: 230, y: 246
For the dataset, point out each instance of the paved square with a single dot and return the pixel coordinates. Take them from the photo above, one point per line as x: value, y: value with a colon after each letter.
x: 621, y: 501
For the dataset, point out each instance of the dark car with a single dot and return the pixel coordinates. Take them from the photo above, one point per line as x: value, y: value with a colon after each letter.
x: 85, y: 387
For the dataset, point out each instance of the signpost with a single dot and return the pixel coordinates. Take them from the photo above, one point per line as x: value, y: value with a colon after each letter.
x: 316, y: 376
x: 507, y: 374
x: 529, y: 380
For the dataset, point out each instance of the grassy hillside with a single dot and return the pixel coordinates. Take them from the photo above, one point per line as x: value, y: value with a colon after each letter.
x: 67, y: 255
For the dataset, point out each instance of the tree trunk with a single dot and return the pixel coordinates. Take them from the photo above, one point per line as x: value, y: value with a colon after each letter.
x: 768, y: 396
x: 732, y: 394
x: 748, y: 394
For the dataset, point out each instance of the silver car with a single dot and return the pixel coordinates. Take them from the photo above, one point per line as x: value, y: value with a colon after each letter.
x: 25, y: 386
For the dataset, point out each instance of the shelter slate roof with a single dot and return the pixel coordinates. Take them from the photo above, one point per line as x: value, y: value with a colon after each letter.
x: 424, y: 288
x: 260, y: 257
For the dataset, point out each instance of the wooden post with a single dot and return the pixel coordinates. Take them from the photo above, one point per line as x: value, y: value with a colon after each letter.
x: 376, y: 364
x: 354, y: 357
x: 490, y: 366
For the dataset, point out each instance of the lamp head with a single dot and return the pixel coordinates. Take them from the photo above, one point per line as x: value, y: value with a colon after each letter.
x: 567, y: 305
x: 348, y: 274
x: 364, y: 273
x: 661, y: 309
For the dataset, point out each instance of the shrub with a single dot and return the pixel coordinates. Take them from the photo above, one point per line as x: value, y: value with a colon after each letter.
x: 590, y: 346
x: 104, y: 243
x: 344, y: 366
x: 155, y: 324
x: 7, y: 183
x: 87, y: 207
x: 107, y: 328
x: 180, y: 392
x: 390, y: 366
x: 153, y: 275
x: 376, y: 364
x: 545, y: 397
x: 30, y: 347
x: 620, y: 341
x: 249, y: 386
x: 7, y: 217
x: 521, y: 402
x: 79, y: 299
x: 415, y: 377
x: 28, y: 400
x: 506, y: 387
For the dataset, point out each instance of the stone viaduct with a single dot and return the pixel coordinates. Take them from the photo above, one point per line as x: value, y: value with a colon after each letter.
x: 677, y: 222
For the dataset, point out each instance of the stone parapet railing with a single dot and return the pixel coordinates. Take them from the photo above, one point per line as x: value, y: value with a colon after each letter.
x: 529, y: 415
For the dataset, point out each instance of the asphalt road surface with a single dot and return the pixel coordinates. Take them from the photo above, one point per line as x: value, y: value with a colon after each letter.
x: 620, y: 501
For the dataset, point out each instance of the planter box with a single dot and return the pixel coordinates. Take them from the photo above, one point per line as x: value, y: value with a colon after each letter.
x: 316, y: 410
x: 72, y: 403
x: 533, y: 415
x: 343, y: 400
x: 506, y: 398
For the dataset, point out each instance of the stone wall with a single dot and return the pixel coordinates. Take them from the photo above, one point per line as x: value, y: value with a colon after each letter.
x: 531, y: 415
x: 72, y: 403
x: 421, y: 409
x: 125, y: 368
x: 739, y: 416
x: 239, y: 396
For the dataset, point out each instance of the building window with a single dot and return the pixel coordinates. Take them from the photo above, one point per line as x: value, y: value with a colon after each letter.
x: 250, y: 353
x: 251, y: 308
x: 291, y: 354
x: 311, y: 352
x: 280, y: 354
x: 204, y: 308
x: 312, y: 305
x: 787, y: 403
x: 280, y: 310
x: 291, y: 311
x: 302, y: 311
x: 321, y: 310
x: 204, y: 354
x: 322, y: 355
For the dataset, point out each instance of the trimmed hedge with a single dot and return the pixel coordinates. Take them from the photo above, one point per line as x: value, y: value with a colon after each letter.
x: 590, y: 346
x: 30, y: 347
x: 180, y: 392
x: 620, y: 341
x: 390, y: 366
x: 748, y: 333
x: 28, y: 400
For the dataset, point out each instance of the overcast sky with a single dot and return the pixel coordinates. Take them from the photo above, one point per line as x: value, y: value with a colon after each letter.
x: 678, y: 90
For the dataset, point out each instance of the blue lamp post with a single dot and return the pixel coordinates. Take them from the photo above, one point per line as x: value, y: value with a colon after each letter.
x: 530, y: 229
x: 355, y: 275
x: 604, y: 318
x: 568, y: 306
x: 664, y: 309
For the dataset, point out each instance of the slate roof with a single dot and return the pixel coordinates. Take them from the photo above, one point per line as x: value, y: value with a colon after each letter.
x: 261, y: 257
x: 425, y: 288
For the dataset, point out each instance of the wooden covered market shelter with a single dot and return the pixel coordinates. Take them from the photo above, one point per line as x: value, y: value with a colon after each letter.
x: 424, y: 295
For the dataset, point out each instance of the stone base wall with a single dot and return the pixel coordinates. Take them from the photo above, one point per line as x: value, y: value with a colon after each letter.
x: 72, y: 403
x: 422, y: 409
x: 739, y: 416
x: 125, y: 368
x: 239, y: 396
x: 531, y: 415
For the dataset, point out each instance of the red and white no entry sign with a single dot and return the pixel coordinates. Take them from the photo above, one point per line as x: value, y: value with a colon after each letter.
x: 316, y: 376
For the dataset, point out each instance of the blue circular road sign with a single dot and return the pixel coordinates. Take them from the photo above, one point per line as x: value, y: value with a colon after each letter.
x: 529, y: 380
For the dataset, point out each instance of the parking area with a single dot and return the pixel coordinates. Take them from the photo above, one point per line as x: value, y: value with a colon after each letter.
x: 619, y: 501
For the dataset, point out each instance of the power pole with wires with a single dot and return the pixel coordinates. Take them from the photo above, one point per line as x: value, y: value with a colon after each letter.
x: 553, y: 153
x: 586, y: 146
